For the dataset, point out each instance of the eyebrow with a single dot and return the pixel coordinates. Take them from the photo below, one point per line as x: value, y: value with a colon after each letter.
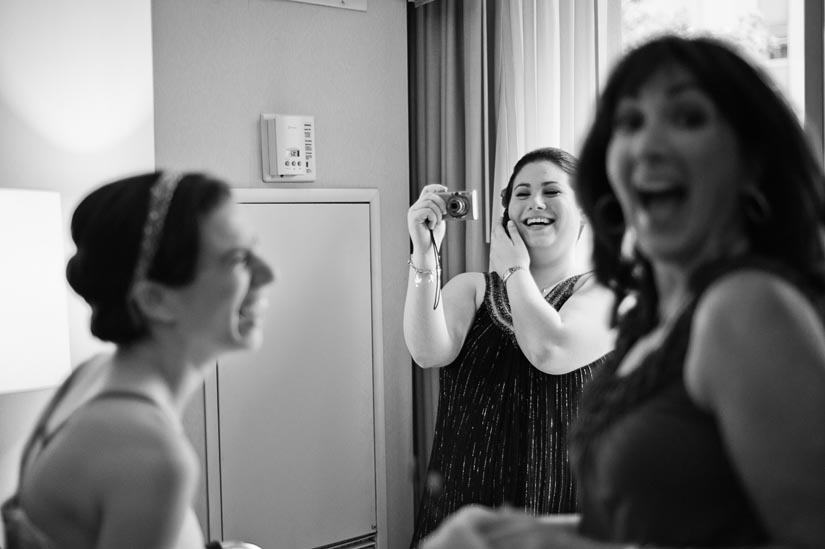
x: 543, y: 184
x: 676, y: 88
x: 683, y: 86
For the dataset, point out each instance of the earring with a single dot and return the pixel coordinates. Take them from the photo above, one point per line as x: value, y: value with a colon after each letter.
x: 628, y: 248
x: 756, y: 208
x: 629, y: 253
x: 607, y: 213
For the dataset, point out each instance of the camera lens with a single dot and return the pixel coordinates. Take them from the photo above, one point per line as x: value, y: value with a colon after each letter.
x: 457, y: 206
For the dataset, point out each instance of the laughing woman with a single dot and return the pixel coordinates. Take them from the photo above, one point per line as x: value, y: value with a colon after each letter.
x: 515, y: 347
x: 706, y: 429
x: 169, y: 269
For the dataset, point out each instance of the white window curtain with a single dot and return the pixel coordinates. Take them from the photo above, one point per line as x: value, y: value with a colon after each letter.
x: 545, y: 78
x: 522, y: 73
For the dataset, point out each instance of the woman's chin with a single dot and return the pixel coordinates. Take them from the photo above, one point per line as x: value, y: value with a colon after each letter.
x: 248, y: 335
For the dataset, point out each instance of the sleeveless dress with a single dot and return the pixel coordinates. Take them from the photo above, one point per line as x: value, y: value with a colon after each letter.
x: 20, y: 531
x: 652, y: 467
x: 501, y: 430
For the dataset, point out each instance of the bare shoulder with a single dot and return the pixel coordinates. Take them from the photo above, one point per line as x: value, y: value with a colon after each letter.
x: 123, y: 453
x: 124, y: 439
x: 748, y: 325
x: 752, y: 302
x: 750, y: 288
x: 756, y: 362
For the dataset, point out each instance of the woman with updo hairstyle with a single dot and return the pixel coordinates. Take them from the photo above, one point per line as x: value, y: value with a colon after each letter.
x: 169, y: 269
x: 107, y: 228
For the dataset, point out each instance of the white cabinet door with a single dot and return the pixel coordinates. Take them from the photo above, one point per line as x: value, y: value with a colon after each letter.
x: 296, y: 420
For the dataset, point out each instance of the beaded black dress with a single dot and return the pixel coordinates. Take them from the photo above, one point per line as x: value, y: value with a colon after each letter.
x: 652, y: 467
x: 501, y: 428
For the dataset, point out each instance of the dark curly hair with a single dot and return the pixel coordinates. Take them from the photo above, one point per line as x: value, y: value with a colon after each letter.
x: 769, y: 134
x: 107, y: 227
x: 562, y: 159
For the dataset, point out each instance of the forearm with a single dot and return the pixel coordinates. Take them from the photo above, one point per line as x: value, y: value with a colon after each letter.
x: 537, y: 325
x: 425, y: 327
x: 551, y: 534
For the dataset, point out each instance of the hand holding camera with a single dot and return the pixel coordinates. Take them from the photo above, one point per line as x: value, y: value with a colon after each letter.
x: 435, y: 204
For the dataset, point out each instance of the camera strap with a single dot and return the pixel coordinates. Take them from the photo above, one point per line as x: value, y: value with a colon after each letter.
x: 436, y: 255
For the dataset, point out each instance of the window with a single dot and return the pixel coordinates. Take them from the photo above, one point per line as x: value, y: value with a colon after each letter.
x: 770, y: 32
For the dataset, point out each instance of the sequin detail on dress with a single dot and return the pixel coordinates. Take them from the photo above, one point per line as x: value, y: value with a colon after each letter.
x: 501, y: 430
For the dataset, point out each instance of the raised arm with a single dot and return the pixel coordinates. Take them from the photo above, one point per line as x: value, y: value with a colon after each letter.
x: 555, y: 342
x: 757, y: 363
x: 434, y: 336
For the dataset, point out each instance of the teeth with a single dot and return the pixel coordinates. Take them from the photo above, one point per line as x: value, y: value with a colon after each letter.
x: 537, y: 221
x: 253, y: 309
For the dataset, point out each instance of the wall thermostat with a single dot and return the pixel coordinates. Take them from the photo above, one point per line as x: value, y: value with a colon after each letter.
x: 288, y: 147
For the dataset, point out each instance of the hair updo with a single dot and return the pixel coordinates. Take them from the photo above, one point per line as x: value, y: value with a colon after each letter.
x: 107, y: 229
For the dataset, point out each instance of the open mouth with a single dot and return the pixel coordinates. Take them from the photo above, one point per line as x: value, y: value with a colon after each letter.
x: 670, y: 197
x: 539, y: 221
x: 252, y: 310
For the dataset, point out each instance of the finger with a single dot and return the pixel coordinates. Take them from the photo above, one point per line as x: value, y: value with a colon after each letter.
x: 431, y: 200
x: 460, y: 531
x: 434, y: 188
x: 515, y: 236
x: 433, y: 215
x: 426, y: 208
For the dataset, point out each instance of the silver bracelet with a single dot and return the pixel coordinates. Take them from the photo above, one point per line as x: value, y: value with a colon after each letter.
x: 509, y: 272
x: 423, y: 276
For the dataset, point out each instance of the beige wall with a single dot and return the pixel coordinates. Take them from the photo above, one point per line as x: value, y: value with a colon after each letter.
x: 75, y: 110
x: 219, y: 64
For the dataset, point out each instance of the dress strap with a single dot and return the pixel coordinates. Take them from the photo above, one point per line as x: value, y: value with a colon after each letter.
x: 103, y: 395
x: 561, y: 292
x: 40, y: 427
x: 498, y: 303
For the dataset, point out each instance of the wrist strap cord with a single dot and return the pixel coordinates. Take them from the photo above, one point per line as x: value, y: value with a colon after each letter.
x: 437, y: 271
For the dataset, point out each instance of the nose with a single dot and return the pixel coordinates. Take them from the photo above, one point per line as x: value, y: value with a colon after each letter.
x: 650, y: 139
x: 538, y: 202
x: 262, y: 273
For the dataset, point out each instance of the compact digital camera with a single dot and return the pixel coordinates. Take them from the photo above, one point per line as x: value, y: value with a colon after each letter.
x: 461, y: 205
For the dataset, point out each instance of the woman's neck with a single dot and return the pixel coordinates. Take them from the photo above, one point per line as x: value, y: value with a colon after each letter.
x: 162, y: 372
x: 672, y: 288
x: 547, y: 273
x: 673, y: 279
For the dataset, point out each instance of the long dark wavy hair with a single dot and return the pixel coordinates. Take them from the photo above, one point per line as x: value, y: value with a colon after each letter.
x: 790, y: 177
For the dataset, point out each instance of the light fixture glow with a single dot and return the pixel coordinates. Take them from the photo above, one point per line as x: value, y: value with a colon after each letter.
x: 34, y: 326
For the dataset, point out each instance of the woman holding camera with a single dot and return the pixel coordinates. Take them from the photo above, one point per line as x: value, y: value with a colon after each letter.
x: 515, y: 346
x: 705, y: 428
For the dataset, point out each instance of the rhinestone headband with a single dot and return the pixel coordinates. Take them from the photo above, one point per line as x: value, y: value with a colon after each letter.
x: 160, y: 196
